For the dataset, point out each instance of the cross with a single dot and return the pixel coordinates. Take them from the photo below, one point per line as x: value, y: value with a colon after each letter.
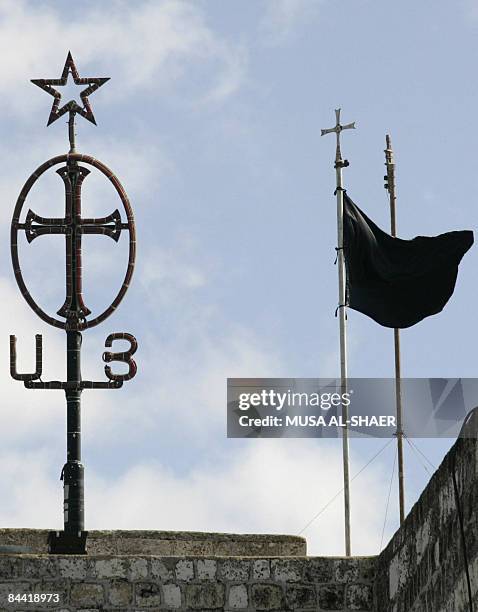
x: 337, y: 129
x: 73, y: 226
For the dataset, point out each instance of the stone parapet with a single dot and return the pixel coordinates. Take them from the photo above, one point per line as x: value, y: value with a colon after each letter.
x: 145, y: 583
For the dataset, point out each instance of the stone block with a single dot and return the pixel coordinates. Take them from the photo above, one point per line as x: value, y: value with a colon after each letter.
x: 235, y: 570
x: 346, y: 570
x: 209, y: 596
x: 294, y: 548
x: 238, y: 599
x: 301, y: 596
x: 147, y: 594
x: 267, y: 597
x: 206, y: 569
x: 38, y: 567
x: 184, y: 570
x: 138, y: 569
x: 367, y: 568
x: 359, y: 597
x: 319, y: 570
x: 332, y: 597
x: 85, y: 594
x: 172, y: 596
x: 110, y: 568
x: 120, y: 593
x: 10, y: 568
x: 161, y: 571
x: 286, y: 570
x: 261, y: 569
x: 73, y: 567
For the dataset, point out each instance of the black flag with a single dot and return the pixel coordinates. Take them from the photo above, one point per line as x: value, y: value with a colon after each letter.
x: 398, y: 282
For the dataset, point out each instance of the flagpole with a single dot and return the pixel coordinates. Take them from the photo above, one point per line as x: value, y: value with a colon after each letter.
x: 390, y: 187
x: 339, y: 164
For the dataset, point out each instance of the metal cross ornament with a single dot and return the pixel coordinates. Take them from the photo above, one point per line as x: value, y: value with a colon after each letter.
x: 74, y: 315
x: 338, y: 129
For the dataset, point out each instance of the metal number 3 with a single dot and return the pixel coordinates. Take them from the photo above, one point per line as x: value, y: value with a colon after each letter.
x: 124, y: 356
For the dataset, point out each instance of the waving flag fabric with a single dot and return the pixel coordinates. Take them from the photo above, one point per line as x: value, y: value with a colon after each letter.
x: 398, y: 282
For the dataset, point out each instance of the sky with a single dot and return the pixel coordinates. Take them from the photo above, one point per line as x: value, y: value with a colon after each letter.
x: 212, y: 121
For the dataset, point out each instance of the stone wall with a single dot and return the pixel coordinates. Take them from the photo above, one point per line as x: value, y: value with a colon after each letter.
x: 146, y: 583
x: 422, y: 569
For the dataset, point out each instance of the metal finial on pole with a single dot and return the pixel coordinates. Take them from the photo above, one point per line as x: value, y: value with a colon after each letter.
x: 339, y: 164
x: 337, y: 129
x: 390, y: 187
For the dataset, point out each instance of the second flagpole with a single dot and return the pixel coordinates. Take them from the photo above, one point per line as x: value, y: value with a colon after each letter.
x: 390, y: 187
x: 339, y: 164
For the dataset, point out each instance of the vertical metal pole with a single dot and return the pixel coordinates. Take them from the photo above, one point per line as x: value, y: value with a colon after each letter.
x: 73, y: 484
x: 390, y: 186
x: 339, y: 164
x: 73, y: 471
x: 343, y: 347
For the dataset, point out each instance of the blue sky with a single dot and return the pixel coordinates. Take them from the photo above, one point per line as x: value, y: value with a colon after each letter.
x: 212, y: 121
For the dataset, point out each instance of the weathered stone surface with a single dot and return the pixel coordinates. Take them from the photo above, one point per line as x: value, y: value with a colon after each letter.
x: 172, y: 543
x: 367, y: 568
x: 147, y: 594
x: 120, y: 593
x: 206, y: 569
x: 359, y: 597
x: 85, y: 594
x: 138, y: 569
x: 161, y: 571
x: 73, y: 567
x: 110, y: 568
x: 261, y: 569
x: 238, y: 599
x: 346, y: 570
x: 286, y: 570
x: 184, y: 570
x: 300, y: 596
x: 205, y: 596
x: 40, y: 568
x: 35, y: 540
x: 422, y: 567
x: 318, y: 569
x: 172, y: 596
x: 267, y: 597
x: 332, y: 597
x: 10, y: 567
x: 234, y: 570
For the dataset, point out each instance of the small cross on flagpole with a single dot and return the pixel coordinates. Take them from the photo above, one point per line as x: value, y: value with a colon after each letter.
x: 337, y: 129
x: 339, y: 164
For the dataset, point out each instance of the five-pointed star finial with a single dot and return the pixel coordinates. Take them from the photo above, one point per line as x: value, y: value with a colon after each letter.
x: 71, y: 106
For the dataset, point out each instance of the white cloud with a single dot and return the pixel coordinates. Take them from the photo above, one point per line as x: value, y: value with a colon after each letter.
x: 147, y: 46
x: 284, y: 18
